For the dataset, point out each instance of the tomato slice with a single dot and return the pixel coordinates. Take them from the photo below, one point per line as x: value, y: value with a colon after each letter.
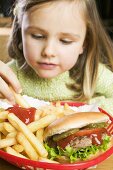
x: 85, y: 132
x: 88, y: 132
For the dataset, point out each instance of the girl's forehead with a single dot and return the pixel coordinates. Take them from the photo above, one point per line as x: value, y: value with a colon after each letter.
x: 58, y: 16
x: 59, y: 7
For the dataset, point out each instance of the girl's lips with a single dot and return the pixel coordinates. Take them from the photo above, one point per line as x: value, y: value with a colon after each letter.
x: 47, y: 66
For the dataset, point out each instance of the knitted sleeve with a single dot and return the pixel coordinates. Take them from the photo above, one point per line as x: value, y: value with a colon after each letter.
x: 104, y: 89
x: 12, y: 65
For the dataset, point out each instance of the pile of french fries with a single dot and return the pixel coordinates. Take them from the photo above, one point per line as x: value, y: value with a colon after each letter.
x: 26, y: 141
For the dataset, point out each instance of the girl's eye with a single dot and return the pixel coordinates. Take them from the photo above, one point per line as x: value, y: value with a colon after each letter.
x: 66, y: 41
x: 38, y: 36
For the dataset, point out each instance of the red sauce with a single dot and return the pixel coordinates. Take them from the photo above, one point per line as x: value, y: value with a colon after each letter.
x: 96, y: 139
x: 26, y: 115
x: 94, y: 134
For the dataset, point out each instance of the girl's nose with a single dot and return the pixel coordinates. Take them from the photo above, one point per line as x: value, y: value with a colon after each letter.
x: 49, y: 50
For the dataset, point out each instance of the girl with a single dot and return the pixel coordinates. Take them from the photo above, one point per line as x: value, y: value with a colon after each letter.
x: 61, y: 52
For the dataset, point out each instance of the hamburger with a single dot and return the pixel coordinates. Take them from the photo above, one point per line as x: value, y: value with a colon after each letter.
x: 77, y: 137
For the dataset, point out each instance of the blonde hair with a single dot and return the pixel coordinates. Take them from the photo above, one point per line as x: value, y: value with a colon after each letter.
x: 98, y: 47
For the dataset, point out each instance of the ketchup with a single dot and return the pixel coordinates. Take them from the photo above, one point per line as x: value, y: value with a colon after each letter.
x: 26, y: 115
x: 96, y: 139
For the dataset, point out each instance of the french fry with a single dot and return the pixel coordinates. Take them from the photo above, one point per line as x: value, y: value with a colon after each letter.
x: 4, y: 132
x: 30, y: 151
x: 39, y: 135
x: 37, y: 114
x: 19, y: 99
x: 7, y: 142
x: 47, y: 110
x: 8, y: 127
x: 57, y: 110
x: 18, y: 148
x: 68, y: 110
x: 11, y: 134
x: 14, y: 120
x: 58, y: 104
x: 41, y: 123
x: 1, y: 127
x: 47, y: 160
x: 0, y: 136
x: 66, y: 106
x: 3, y: 115
x: 11, y: 151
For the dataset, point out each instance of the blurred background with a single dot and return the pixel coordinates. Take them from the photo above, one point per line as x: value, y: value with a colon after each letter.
x: 105, y: 8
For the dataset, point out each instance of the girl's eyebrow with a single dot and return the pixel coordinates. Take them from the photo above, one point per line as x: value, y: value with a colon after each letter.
x: 34, y: 28
x: 70, y: 34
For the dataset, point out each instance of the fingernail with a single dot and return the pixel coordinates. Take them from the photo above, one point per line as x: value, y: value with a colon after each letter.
x: 12, y: 101
x: 19, y: 91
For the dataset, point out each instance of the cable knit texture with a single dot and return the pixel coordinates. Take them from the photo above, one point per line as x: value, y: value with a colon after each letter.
x: 56, y: 89
x: 44, y: 89
x: 104, y: 88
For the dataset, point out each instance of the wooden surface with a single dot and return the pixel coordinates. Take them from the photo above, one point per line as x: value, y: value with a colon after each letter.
x: 5, y: 31
x: 106, y: 165
x: 4, y: 36
x: 5, y: 22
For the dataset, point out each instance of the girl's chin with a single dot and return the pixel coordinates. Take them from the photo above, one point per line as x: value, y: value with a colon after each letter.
x: 47, y: 75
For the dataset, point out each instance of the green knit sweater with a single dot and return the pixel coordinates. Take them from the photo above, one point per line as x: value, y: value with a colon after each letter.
x: 56, y: 89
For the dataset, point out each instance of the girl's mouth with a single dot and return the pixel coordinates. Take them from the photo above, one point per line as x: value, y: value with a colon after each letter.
x: 46, y: 66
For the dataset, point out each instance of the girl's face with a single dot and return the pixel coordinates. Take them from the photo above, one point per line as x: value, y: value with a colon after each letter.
x: 53, y: 37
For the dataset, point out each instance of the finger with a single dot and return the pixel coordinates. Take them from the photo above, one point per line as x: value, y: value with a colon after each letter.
x: 1, y: 96
x: 20, y: 100
x: 6, y: 92
x: 3, y: 115
x: 8, y: 75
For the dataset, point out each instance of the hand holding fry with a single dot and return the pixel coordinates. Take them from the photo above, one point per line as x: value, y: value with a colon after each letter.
x: 19, y: 99
x: 7, y: 77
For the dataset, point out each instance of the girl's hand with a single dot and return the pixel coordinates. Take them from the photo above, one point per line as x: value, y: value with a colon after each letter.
x: 8, y: 78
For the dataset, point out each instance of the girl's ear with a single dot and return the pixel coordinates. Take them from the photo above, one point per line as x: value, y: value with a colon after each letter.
x: 20, y: 46
x: 81, y: 50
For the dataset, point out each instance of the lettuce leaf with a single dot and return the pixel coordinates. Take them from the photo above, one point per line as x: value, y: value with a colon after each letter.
x: 75, y: 154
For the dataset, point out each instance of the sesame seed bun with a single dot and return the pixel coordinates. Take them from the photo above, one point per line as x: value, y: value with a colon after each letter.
x: 76, y: 120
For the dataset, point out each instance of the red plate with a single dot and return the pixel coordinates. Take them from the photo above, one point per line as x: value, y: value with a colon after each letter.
x: 31, y: 165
